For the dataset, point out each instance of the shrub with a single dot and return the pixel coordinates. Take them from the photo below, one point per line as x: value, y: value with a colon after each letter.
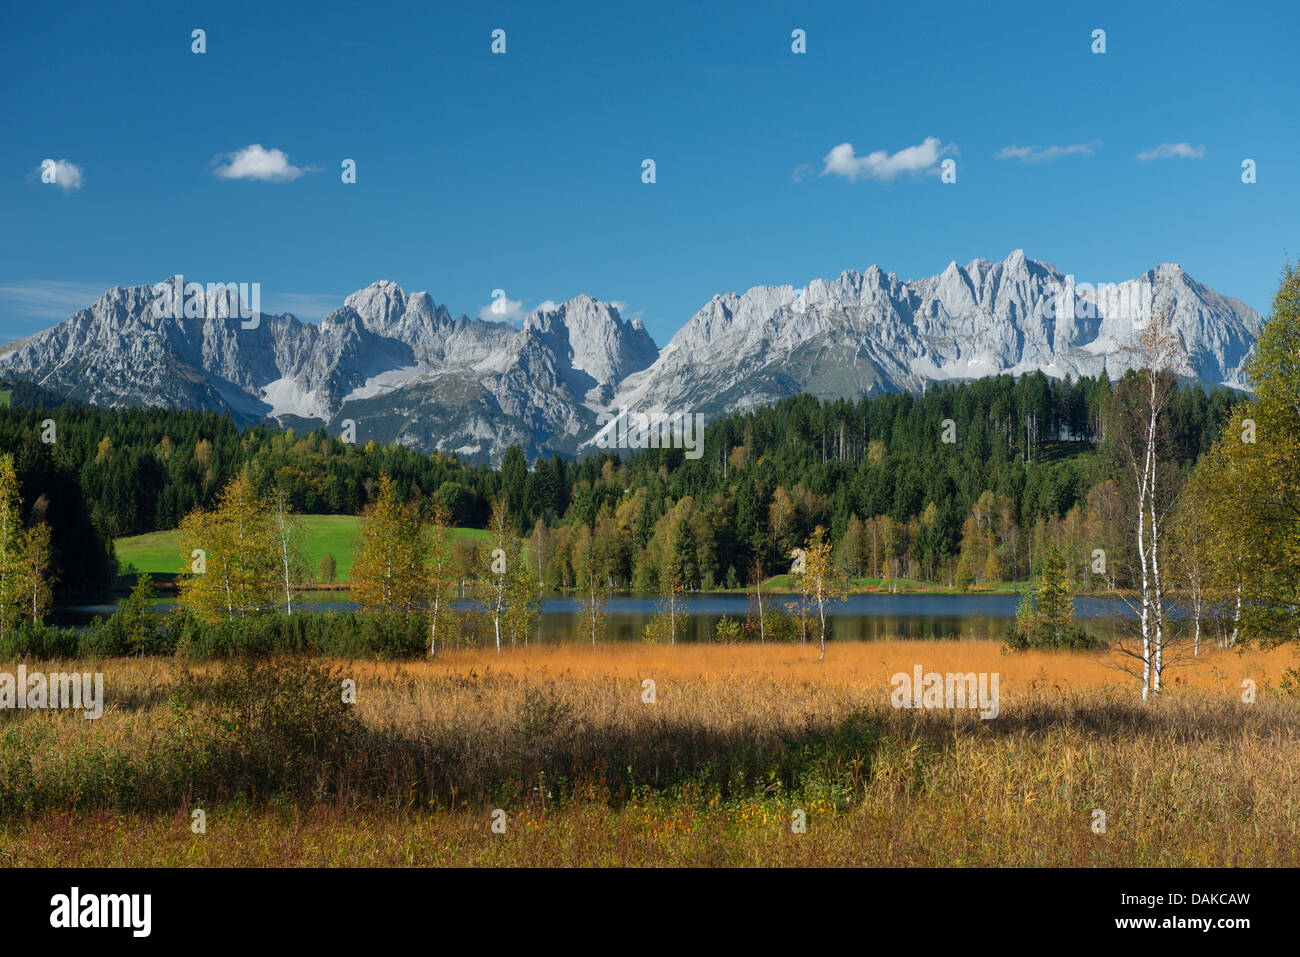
x: 38, y: 640
x: 350, y: 635
x: 729, y: 631
x: 1072, y: 637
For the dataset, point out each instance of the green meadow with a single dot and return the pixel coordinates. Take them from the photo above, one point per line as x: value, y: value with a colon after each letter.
x: 159, y: 553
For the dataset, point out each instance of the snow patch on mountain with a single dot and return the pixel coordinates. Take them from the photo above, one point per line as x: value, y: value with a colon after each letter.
x: 405, y: 369
x: 287, y: 397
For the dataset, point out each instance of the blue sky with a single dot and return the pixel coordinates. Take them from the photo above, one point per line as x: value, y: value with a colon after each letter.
x: 523, y: 171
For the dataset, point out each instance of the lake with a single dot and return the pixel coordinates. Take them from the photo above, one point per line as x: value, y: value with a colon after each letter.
x: 863, y: 617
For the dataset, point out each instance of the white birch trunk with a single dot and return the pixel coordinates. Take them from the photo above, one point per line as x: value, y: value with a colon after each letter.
x: 1146, y: 575
x: 821, y: 611
x: 1236, y: 619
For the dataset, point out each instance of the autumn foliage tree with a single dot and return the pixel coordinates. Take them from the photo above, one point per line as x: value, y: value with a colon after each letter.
x: 231, y: 555
x: 496, y: 575
x: 1138, y: 430
x: 35, y: 580
x: 389, y: 571
x: 443, y: 576
x: 1248, y: 486
x: 821, y: 579
x: 25, y: 557
x: 591, y: 606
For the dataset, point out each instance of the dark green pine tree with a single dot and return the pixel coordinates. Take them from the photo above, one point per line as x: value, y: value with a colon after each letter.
x: 683, y: 562
x: 1054, y: 604
x: 514, y: 481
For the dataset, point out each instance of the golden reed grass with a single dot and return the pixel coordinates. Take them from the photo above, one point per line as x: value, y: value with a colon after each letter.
x: 1196, y: 778
x: 862, y: 664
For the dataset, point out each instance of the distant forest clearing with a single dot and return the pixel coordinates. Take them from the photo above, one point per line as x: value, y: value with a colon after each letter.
x: 159, y: 553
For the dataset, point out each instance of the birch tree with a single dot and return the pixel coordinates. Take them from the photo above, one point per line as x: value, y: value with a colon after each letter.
x: 388, y: 572
x: 286, y: 531
x: 758, y: 595
x: 494, y: 576
x: 821, y: 580
x: 1138, y: 408
x: 230, y: 554
x: 523, y: 600
x: 674, y: 576
x: 592, y: 605
x: 443, y: 575
x: 10, y: 545
x: 34, y: 579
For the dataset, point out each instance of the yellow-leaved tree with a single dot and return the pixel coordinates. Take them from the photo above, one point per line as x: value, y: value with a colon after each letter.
x: 35, y: 581
x: 11, y: 542
x: 1247, y: 489
x: 231, y: 555
x: 821, y: 579
x: 388, y: 572
x: 444, y: 575
x: 494, y: 576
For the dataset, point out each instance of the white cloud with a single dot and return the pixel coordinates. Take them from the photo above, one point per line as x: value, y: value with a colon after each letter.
x: 548, y: 305
x: 1171, y: 151
x: 802, y: 172
x: 502, y: 307
x: 884, y: 166
x: 68, y: 176
x: 254, y: 162
x: 1043, y: 154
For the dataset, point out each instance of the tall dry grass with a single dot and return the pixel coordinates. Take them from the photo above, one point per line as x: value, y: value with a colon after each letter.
x: 561, y: 739
x: 850, y: 663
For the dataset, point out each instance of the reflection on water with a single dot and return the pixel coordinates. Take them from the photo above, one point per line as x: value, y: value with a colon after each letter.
x: 863, y: 617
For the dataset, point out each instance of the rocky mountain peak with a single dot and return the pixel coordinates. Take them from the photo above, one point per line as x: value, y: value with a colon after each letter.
x: 405, y: 370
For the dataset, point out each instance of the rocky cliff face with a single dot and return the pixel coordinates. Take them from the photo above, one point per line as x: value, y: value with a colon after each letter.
x: 404, y: 369
x: 871, y: 331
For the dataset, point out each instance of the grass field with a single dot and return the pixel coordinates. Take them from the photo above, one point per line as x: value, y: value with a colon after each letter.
x: 585, y: 771
x: 159, y: 553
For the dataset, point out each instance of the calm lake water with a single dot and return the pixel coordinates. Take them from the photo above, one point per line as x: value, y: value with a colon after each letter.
x: 861, y: 618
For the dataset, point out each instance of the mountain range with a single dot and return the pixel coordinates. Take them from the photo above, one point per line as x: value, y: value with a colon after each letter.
x: 403, y: 369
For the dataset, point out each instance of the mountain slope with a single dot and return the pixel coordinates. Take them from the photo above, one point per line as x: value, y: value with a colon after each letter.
x: 869, y: 332
x: 400, y: 366
x: 403, y: 369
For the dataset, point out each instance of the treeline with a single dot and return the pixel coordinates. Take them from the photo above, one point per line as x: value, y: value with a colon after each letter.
x: 143, y: 470
x: 411, y: 576
x: 896, y: 480
x: 965, y: 484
